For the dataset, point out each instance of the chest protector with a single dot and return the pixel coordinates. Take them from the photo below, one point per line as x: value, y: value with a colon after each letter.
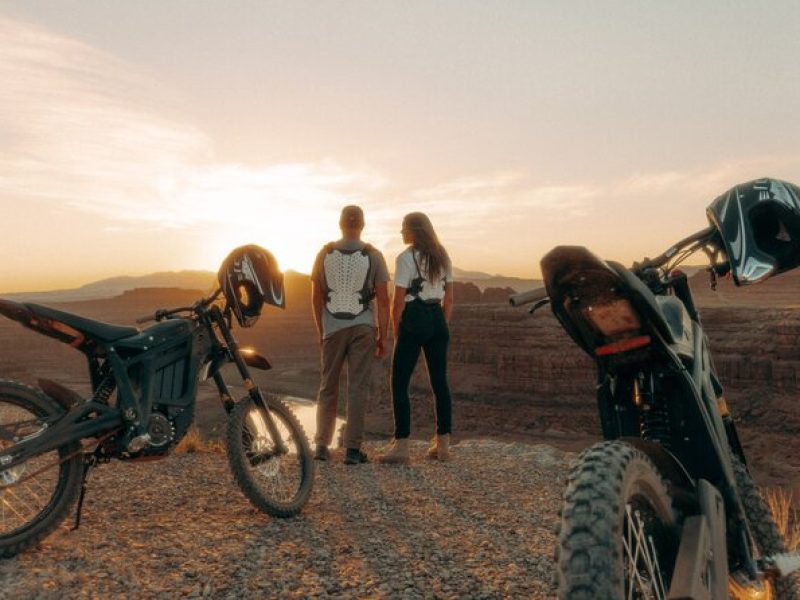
x: 346, y: 279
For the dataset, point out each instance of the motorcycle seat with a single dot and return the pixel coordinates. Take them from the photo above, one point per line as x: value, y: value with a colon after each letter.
x: 679, y: 322
x: 103, y: 332
x: 667, y: 313
x: 645, y: 301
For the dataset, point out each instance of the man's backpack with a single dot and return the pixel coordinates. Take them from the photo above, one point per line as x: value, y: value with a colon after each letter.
x: 346, y: 279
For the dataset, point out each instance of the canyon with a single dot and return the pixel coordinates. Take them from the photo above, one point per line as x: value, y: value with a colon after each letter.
x: 514, y: 376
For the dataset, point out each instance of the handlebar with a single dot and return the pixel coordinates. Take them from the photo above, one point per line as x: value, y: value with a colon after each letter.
x: 704, y: 236
x: 163, y: 313
x: 696, y: 241
x: 145, y: 319
x: 528, y: 297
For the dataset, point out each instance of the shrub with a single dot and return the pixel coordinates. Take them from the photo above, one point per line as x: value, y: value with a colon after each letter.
x: 786, y: 515
x: 193, y: 442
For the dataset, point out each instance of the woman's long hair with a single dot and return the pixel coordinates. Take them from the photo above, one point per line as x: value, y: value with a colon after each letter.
x: 425, y: 241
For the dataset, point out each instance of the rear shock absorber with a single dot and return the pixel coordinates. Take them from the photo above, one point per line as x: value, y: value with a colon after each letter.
x: 654, y: 422
x: 104, y: 390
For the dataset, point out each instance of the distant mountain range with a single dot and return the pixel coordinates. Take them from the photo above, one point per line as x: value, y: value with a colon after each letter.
x: 781, y: 291
x: 115, y: 286
x: 484, y: 280
x: 204, y: 280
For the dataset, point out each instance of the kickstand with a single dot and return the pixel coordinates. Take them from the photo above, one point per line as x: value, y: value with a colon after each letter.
x: 88, y: 463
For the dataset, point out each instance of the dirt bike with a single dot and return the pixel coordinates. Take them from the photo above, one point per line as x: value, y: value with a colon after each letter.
x: 144, y: 388
x: 665, y: 508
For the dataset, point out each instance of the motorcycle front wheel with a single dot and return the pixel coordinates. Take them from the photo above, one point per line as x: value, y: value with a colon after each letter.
x: 618, y: 531
x: 36, y: 495
x: 276, y: 482
x: 763, y: 528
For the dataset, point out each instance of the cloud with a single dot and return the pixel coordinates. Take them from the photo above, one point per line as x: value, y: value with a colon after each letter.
x: 495, y: 205
x: 85, y: 130
x: 506, y: 195
x: 88, y: 130
x: 79, y: 125
x: 92, y: 132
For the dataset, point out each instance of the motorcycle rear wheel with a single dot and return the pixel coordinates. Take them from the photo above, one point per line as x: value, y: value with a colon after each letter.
x: 30, y: 509
x: 278, y: 484
x: 618, y: 531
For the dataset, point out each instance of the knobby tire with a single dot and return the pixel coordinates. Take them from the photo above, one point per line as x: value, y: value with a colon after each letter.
x: 70, y: 472
x: 243, y: 471
x: 590, y: 555
x: 763, y: 528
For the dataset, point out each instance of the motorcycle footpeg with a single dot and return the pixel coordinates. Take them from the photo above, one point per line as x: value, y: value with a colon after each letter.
x: 781, y: 565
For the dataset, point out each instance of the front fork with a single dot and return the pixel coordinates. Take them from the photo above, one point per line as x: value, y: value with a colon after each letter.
x: 252, y: 389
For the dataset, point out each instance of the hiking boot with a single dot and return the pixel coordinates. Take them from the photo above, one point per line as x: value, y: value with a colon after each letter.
x: 322, y: 453
x: 397, y: 454
x: 355, y: 456
x: 440, y: 447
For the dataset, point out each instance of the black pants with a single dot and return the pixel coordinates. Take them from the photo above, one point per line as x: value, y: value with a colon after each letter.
x: 422, y: 327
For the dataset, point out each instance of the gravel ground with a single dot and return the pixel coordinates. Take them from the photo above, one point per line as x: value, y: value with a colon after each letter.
x: 480, y: 526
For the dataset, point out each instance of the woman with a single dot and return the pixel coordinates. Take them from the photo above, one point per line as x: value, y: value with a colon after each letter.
x: 423, y: 303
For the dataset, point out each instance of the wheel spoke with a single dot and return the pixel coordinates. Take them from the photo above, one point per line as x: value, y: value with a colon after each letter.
x: 659, y: 580
x: 22, y: 502
x: 280, y: 476
x: 644, y: 574
x: 12, y: 506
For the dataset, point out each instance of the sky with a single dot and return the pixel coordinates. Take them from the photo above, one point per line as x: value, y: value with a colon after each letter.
x: 148, y: 136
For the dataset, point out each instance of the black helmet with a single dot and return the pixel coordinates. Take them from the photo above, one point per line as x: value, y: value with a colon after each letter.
x: 249, y: 277
x: 759, y: 222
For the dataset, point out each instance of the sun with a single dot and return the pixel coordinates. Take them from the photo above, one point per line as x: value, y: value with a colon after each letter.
x: 294, y: 239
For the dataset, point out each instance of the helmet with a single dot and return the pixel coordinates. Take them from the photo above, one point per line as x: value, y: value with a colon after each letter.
x: 759, y: 223
x: 250, y: 277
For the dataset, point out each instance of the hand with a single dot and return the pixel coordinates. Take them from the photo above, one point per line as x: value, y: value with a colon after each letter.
x: 380, y: 348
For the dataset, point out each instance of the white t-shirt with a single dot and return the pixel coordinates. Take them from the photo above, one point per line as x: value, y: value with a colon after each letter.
x: 405, y: 272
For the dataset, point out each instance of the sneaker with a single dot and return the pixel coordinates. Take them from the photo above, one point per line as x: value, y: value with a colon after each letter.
x: 322, y: 453
x: 354, y: 456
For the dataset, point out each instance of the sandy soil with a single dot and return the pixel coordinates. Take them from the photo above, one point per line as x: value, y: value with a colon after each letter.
x: 179, y: 528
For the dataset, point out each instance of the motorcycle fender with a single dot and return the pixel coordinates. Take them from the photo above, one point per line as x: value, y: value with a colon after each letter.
x: 669, y: 466
x: 65, y: 397
x: 249, y: 355
x: 254, y: 359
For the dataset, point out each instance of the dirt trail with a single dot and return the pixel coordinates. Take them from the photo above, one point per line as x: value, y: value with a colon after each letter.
x: 478, y: 527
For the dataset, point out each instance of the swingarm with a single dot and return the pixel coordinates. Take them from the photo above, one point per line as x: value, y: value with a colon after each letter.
x: 77, y: 424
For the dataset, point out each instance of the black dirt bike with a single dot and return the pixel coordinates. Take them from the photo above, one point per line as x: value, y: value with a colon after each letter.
x: 144, y: 387
x: 665, y: 507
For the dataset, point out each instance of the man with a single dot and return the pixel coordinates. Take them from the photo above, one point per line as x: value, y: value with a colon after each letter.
x: 348, y: 295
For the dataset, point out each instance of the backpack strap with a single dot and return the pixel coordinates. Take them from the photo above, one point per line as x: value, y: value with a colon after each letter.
x: 326, y: 291
x: 367, y: 290
x: 415, y: 289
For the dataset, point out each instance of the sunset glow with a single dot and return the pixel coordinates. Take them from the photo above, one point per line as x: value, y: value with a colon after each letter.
x: 126, y: 158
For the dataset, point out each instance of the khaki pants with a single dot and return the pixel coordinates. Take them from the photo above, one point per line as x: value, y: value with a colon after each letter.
x: 356, y: 345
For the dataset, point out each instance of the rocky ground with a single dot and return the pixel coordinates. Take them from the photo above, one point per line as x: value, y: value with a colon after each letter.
x: 480, y: 526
